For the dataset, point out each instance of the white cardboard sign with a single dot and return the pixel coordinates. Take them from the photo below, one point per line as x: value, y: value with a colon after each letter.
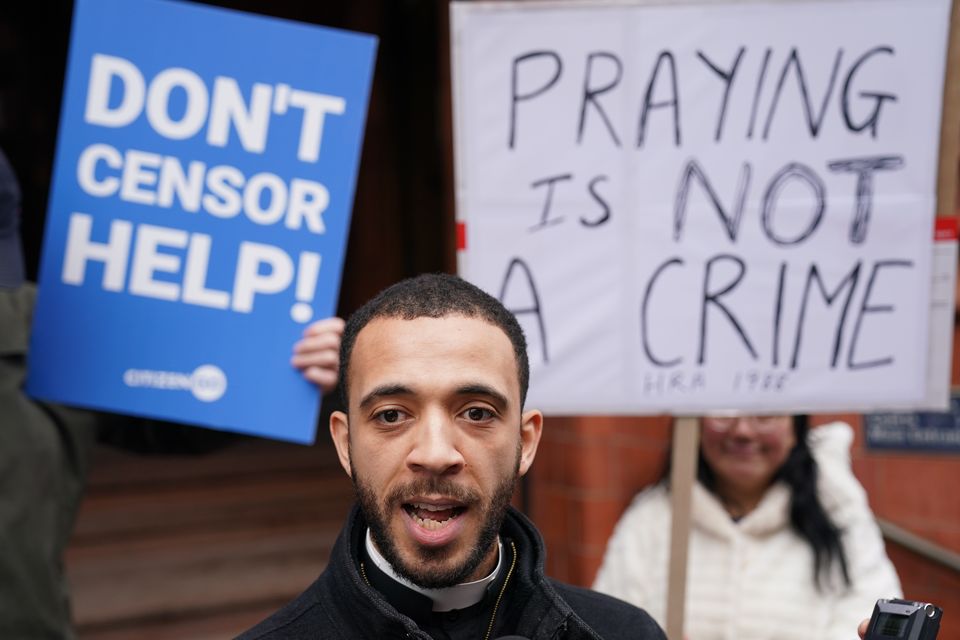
x: 704, y: 206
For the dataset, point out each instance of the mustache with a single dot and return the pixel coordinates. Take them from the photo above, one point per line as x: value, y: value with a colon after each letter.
x: 432, y: 486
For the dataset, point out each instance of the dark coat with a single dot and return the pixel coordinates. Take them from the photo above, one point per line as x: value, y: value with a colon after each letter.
x: 340, y: 604
x: 44, y: 451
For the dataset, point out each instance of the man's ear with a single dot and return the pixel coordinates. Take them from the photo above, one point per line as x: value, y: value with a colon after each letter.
x: 340, y: 432
x: 531, y: 426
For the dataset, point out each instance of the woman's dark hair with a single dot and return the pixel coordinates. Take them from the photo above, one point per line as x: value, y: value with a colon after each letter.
x: 807, y: 516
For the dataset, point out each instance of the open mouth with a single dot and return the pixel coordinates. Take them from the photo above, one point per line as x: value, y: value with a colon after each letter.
x: 432, y: 517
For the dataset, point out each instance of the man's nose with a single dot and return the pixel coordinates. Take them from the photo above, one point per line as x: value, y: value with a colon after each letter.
x: 435, y: 447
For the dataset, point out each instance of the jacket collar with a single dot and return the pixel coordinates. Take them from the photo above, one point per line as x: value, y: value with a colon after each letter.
x: 770, y: 515
x: 384, y: 579
x: 531, y: 608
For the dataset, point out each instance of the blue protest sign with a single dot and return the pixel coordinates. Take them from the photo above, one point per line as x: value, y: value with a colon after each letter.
x: 199, y: 212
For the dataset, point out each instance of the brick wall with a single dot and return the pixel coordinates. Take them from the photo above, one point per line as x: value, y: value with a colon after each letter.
x: 587, y: 470
x: 921, y: 493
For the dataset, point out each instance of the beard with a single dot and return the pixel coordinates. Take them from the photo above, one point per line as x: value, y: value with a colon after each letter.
x: 428, y: 569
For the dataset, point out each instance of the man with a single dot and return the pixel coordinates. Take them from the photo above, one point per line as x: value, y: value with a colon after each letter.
x: 45, y: 447
x: 434, y: 374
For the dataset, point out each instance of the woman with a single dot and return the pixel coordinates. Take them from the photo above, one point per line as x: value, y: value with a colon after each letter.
x: 783, y: 543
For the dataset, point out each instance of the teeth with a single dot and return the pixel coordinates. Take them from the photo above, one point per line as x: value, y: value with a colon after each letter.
x: 433, y: 513
x: 430, y: 507
x: 430, y: 525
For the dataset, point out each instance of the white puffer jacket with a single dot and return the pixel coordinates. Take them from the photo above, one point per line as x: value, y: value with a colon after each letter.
x: 753, y: 579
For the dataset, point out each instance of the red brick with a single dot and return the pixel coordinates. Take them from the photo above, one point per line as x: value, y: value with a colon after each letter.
x: 557, y: 567
x: 589, y: 428
x: 869, y: 471
x: 636, y: 467
x: 551, y: 462
x: 550, y: 512
x: 589, y: 466
x: 912, y: 492
x: 950, y: 538
x: 926, y: 581
x: 583, y: 568
x: 558, y: 426
x: 646, y: 429
x: 595, y: 521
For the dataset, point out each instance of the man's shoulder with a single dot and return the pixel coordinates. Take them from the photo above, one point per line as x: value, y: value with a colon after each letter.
x: 299, y: 618
x: 610, y: 617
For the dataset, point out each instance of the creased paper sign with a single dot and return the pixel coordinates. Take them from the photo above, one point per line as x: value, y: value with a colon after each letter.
x: 704, y: 206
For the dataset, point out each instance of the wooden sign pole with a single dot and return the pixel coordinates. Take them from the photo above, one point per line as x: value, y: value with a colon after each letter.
x: 950, y: 122
x: 686, y: 433
x: 683, y: 472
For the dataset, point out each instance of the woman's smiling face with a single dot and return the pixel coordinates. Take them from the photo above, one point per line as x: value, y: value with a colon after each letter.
x: 746, y: 452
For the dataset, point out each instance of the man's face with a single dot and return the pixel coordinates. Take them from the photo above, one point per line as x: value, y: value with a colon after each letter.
x: 435, y: 442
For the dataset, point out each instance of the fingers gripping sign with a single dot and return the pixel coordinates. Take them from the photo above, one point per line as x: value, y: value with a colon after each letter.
x: 317, y: 354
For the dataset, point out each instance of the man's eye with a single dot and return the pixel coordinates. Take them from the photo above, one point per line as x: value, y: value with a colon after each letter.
x: 478, y: 414
x: 390, y: 416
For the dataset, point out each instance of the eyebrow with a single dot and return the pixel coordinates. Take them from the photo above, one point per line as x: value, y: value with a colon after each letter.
x: 476, y: 389
x: 385, y: 390
x: 483, y: 390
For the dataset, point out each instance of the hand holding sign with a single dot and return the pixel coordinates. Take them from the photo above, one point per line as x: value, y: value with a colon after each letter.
x: 317, y: 354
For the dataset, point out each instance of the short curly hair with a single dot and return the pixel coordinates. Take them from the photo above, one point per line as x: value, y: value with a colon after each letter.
x: 434, y: 295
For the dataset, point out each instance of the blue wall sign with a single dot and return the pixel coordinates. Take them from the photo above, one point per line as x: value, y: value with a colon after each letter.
x: 919, y: 431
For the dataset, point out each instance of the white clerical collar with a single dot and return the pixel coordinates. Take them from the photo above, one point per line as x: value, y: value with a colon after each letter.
x: 459, y: 596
